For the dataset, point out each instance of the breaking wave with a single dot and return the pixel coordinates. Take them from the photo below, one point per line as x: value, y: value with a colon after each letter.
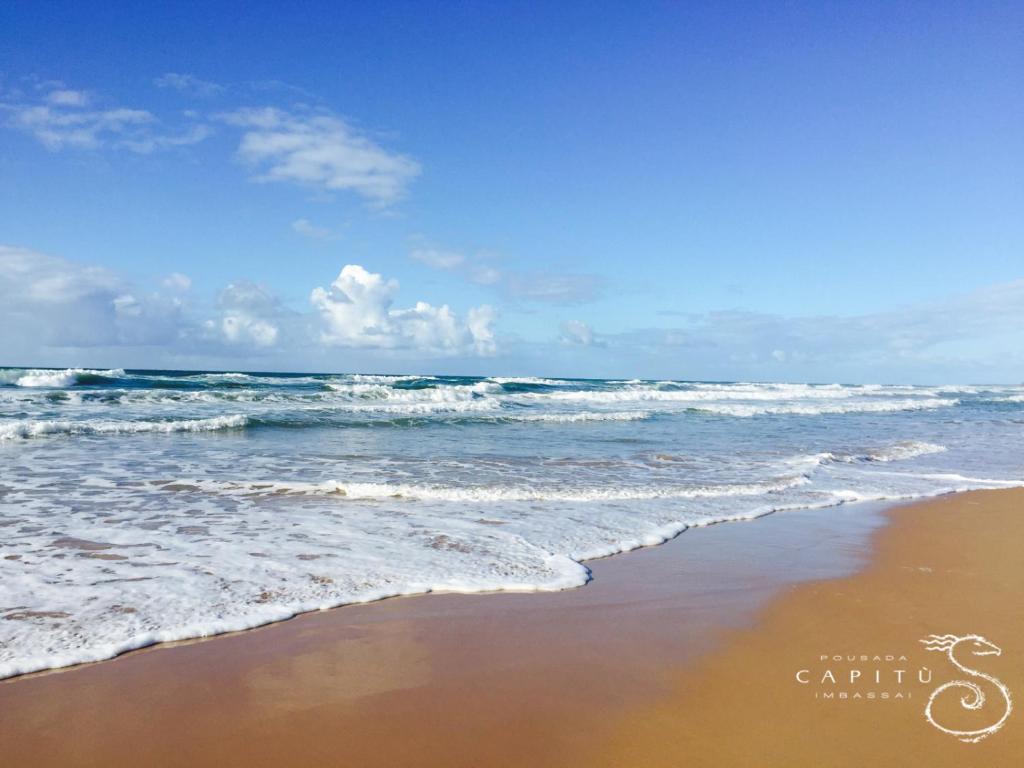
x: 30, y: 428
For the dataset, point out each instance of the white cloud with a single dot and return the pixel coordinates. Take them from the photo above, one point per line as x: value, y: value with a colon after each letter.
x: 321, y: 151
x: 50, y: 303
x: 480, y: 321
x: 517, y: 285
x: 306, y: 228
x: 176, y: 281
x: 84, y: 129
x: 186, y: 83
x: 54, y: 309
x: 151, y: 142
x: 577, y: 332
x: 62, y: 121
x: 248, y: 310
x: 47, y: 301
x: 66, y: 97
x: 981, y: 332
x: 356, y: 312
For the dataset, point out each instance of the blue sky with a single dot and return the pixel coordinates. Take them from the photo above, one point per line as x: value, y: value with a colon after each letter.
x: 750, y: 191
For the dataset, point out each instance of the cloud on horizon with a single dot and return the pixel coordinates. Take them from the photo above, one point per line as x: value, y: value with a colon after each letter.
x: 53, y: 310
x: 981, y: 331
x: 576, y: 332
x: 52, y: 305
x: 356, y: 312
x: 46, y: 301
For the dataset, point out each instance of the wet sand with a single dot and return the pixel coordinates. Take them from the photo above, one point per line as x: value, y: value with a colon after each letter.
x: 951, y: 566
x: 682, y: 654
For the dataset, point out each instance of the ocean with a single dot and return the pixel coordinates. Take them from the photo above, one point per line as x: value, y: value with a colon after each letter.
x: 141, y: 506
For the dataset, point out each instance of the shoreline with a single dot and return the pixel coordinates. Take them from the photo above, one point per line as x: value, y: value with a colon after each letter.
x: 586, y: 563
x: 667, y: 538
x: 452, y: 679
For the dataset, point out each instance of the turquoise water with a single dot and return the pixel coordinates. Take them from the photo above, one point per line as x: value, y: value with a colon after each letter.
x: 143, y: 506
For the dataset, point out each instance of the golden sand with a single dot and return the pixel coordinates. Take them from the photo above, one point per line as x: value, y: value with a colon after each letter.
x: 951, y: 566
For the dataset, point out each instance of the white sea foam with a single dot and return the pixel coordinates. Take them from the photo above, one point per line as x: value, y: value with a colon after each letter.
x: 30, y: 428
x: 66, y: 378
x: 909, y: 449
x: 112, y: 542
x: 809, y: 409
x: 906, y: 449
x: 531, y: 380
x: 482, y: 494
x: 693, y: 394
x: 577, y: 417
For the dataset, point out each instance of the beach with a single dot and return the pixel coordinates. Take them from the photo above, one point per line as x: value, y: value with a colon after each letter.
x: 511, y: 385
x: 688, y: 653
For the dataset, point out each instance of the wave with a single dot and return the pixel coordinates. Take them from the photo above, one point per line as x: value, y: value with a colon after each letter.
x: 678, y: 392
x: 799, y: 409
x: 497, y: 493
x: 910, y: 449
x: 535, y: 380
x: 901, y: 451
x: 69, y: 377
x: 381, y: 378
x: 375, y: 390
x: 571, y: 418
x: 28, y: 428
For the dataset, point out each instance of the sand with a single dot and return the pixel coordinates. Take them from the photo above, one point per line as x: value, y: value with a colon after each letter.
x: 954, y: 565
x: 684, y: 654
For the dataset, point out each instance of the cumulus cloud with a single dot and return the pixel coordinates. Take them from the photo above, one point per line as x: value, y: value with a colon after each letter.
x: 247, y: 315
x: 517, y: 285
x: 63, y: 121
x: 321, y: 151
x: 356, y: 311
x: 50, y: 303
x: 52, y: 308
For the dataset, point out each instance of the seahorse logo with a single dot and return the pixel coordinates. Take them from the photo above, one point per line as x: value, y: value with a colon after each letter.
x: 973, y: 698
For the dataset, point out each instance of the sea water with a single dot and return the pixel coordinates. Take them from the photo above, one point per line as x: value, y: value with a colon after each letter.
x: 146, y: 506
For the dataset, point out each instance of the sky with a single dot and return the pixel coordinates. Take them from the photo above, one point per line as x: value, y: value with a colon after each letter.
x: 716, y: 191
